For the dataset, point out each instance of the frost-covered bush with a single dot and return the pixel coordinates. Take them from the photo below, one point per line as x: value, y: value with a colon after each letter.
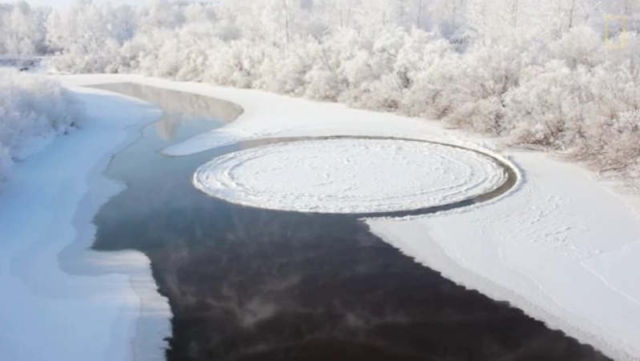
x: 33, y: 110
x: 22, y: 29
x: 89, y: 37
x: 561, y: 75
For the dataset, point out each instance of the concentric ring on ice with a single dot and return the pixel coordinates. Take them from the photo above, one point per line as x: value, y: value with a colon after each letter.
x: 350, y: 175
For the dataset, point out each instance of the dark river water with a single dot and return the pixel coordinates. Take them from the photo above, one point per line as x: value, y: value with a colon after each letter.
x: 251, y: 284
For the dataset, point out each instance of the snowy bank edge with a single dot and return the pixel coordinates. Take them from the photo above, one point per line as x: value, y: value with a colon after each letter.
x: 129, y: 294
x: 153, y: 320
x: 453, y: 271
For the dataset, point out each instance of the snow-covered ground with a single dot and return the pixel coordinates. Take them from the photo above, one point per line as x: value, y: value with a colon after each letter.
x: 60, y: 301
x: 326, y: 176
x: 33, y: 111
x: 562, y: 246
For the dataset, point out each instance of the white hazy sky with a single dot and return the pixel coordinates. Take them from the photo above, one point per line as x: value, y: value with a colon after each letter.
x: 64, y: 3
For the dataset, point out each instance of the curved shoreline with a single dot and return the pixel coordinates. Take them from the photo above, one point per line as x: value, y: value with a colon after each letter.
x: 152, y: 322
x: 51, y: 279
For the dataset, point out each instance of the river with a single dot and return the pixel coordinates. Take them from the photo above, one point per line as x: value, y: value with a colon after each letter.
x: 253, y: 284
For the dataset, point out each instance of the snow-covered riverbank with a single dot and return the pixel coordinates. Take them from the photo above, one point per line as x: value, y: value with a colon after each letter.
x: 33, y: 111
x: 562, y: 247
x: 60, y: 301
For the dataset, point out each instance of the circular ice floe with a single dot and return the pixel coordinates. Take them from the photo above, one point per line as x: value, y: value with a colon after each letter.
x: 351, y: 175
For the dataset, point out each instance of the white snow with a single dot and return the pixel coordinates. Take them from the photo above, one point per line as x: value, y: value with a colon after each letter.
x: 349, y: 175
x: 33, y: 111
x: 562, y: 246
x: 59, y: 300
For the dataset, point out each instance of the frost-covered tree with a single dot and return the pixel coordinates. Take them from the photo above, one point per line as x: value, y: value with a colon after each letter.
x: 33, y: 110
x: 22, y: 30
x: 89, y: 36
x: 556, y: 74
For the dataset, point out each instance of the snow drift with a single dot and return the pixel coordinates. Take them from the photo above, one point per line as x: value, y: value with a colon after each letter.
x: 33, y: 110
